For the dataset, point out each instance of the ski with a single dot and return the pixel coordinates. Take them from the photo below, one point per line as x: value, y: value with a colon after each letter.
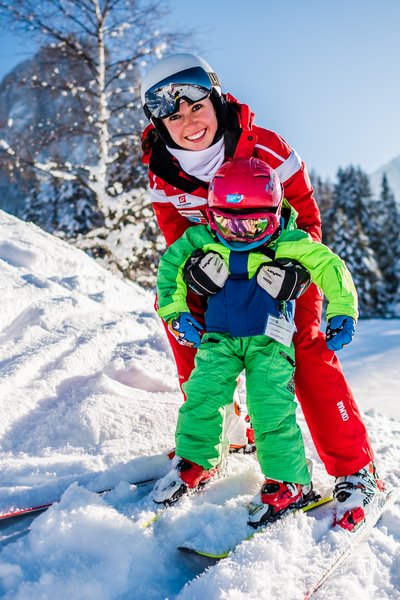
x: 15, y: 513
x: 261, y: 530
x: 359, y: 534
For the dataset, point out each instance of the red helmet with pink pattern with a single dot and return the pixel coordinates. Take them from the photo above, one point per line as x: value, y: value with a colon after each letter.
x: 245, y: 200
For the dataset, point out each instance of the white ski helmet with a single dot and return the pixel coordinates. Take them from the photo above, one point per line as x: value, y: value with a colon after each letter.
x: 175, y: 78
x: 171, y: 79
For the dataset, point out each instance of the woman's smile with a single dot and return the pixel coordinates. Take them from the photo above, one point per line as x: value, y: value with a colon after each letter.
x: 194, y: 126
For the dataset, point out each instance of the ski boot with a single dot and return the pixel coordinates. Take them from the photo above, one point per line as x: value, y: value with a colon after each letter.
x: 185, y: 476
x: 277, y: 498
x: 353, y: 494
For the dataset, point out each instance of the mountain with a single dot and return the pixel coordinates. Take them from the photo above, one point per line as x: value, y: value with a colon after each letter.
x: 392, y: 170
x: 89, y: 399
x: 27, y: 114
x: 48, y: 109
x: 41, y: 121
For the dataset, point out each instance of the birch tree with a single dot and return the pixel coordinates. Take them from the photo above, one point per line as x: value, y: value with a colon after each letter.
x: 96, y: 51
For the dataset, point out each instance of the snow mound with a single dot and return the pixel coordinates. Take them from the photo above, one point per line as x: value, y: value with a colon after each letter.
x: 89, y: 400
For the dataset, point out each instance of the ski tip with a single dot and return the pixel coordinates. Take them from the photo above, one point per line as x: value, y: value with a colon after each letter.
x: 209, y: 556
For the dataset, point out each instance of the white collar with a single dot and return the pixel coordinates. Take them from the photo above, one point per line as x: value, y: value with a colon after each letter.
x: 202, y: 164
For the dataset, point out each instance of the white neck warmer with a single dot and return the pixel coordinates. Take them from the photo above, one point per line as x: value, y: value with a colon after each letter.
x: 202, y: 164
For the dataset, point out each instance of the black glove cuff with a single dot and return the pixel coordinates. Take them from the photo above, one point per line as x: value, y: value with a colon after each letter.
x: 198, y: 281
x: 296, y: 280
x: 195, y: 278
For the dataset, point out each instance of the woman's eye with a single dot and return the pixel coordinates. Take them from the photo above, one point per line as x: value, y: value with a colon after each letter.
x: 197, y: 107
x: 173, y: 117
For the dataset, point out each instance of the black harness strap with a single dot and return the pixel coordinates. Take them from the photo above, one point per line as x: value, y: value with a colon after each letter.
x: 164, y: 166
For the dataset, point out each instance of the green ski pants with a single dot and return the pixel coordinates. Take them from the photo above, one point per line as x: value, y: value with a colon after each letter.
x: 269, y: 368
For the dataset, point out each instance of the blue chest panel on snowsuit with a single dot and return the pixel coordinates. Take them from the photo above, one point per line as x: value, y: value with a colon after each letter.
x: 241, y: 308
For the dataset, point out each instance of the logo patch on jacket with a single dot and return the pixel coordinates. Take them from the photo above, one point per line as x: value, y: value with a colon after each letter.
x: 186, y: 200
x: 194, y: 216
x: 234, y: 198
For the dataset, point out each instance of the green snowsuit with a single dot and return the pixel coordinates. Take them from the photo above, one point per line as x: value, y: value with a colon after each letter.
x: 223, y: 353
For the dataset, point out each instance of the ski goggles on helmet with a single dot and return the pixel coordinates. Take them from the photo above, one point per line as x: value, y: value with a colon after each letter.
x: 248, y: 227
x: 162, y: 99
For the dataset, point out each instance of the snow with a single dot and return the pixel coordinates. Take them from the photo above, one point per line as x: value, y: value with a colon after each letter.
x: 88, y: 400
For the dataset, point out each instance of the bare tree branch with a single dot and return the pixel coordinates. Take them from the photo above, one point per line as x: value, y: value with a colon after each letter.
x: 86, y: 82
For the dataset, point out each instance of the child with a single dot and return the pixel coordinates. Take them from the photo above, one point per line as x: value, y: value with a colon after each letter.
x: 247, y: 327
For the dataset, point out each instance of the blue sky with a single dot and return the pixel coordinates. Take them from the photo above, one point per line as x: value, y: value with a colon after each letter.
x: 325, y: 75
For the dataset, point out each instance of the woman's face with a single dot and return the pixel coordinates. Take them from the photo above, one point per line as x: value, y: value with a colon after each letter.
x: 194, y: 126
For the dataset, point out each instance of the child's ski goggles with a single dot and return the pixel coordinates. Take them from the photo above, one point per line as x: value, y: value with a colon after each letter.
x: 162, y: 99
x: 243, y: 227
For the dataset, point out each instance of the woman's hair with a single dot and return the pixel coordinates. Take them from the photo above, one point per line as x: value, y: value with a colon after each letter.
x: 149, y: 140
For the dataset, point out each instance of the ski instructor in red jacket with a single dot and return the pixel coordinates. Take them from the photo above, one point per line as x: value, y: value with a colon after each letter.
x: 194, y: 129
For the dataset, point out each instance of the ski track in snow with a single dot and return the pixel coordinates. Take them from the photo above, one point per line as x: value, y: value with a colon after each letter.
x: 89, y: 399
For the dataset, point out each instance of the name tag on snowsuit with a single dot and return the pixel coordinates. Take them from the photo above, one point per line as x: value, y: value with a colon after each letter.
x: 280, y: 330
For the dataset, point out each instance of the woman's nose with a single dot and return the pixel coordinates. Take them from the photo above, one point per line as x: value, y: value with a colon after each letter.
x: 191, y: 118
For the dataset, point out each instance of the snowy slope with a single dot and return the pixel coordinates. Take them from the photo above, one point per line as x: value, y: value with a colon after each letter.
x: 88, y: 399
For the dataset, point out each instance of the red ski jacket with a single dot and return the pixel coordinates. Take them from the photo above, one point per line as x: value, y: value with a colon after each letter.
x: 179, y: 200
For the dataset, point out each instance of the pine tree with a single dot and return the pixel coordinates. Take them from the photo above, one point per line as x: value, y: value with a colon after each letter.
x: 346, y: 236
x: 383, y: 228
x: 323, y: 193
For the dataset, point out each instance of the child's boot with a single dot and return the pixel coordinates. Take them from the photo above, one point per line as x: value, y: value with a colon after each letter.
x: 184, y: 476
x: 275, y: 499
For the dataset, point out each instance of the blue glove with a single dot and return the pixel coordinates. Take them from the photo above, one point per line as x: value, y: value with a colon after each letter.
x: 186, y: 330
x: 339, y: 332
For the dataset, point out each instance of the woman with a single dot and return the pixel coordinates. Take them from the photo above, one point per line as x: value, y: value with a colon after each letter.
x: 194, y: 129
